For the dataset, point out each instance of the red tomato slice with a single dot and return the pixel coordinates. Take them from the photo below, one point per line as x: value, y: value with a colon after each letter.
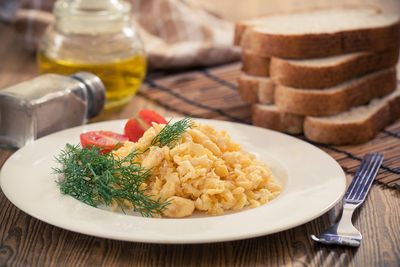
x: 150, y: 116
x: 133, y: 130
x: 136, y: 126
x: 104, y: 139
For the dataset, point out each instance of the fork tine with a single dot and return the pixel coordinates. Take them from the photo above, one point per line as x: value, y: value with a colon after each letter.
x: 376, y: 161
x: 359, y: 176
x: 363, y: 177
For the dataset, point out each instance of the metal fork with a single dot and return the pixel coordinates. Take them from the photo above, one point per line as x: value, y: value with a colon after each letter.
x: 344, y: 233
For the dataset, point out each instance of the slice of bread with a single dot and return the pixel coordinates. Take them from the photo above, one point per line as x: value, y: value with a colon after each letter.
x: 268, y: 116
x: 330, y: 71
x: 255, y: 89
x: 318, y: 73
x: 355, y: 126
x: 319, y: 33
x: 242, y: 27
x: 321, y: 102
x: 255, y: 65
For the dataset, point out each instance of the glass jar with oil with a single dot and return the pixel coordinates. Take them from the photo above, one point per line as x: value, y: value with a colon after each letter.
x: 97, y: 36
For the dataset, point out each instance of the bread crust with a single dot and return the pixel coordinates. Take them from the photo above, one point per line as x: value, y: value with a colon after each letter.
x: 253, y: 64
x: 274, y: 119
x: 346, y: 133
x: 322, y: 130
x: 253, y: 89
x: 242, y: 27
x: 294, y: 74
x: 330, y: 101
x: 318, y: 45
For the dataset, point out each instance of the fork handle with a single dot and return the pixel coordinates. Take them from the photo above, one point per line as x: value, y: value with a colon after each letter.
x: 345, y: 225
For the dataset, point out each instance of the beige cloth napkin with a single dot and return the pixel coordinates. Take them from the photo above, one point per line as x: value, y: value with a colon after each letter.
x: 176, y: 33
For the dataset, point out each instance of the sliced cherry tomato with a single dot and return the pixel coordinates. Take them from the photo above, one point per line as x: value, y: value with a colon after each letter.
x: 136, y: 126
x: 104, y: 139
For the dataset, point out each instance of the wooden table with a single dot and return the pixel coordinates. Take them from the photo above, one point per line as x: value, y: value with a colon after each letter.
x: 26, y: 241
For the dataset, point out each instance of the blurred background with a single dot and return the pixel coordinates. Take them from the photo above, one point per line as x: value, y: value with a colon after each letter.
x: 177, y: 35
x: 234, y: 10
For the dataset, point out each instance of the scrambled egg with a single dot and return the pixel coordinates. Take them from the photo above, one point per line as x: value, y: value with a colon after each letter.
x: 204, y: 171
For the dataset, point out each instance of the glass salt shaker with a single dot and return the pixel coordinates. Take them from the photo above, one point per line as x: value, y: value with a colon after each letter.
x: 97, y: 36
x: 46, y: 104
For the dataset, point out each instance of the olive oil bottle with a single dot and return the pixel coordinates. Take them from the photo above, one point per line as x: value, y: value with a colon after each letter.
x: 121, y: 78
x: 96, y: 36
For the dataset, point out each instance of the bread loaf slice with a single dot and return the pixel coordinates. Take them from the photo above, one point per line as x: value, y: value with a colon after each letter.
x: 327, y: 72
x: 355, y: 126
x: 254, y: 89
x: 242, y: 27
x: 268, y: 116
x: 255, y: 65
x: 318, y: 73
x: 321, y: 102
x: 319, y: 33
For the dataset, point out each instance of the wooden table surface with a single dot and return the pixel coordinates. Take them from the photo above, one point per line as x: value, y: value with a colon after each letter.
x: 26, y: 241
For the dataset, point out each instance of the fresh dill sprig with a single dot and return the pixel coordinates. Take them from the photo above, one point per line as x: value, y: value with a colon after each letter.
x: 95, y: 178
x: 169, y: 134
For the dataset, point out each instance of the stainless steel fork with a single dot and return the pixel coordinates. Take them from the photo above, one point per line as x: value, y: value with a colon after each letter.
x: 344, y: 233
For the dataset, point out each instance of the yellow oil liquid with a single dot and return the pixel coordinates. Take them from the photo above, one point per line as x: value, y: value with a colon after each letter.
x: 121, y: 78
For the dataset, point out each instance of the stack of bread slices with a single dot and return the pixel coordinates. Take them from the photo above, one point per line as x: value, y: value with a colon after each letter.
x: 327, y: 73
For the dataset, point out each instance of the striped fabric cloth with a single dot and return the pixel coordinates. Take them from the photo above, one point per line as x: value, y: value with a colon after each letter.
x: 176, y: 33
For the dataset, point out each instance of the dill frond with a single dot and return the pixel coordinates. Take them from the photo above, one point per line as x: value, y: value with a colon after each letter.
x: 169, y: 134
x: 96, y: 178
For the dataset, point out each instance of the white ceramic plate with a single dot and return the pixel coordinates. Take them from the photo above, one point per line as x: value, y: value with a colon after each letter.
x: 312, y: 181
